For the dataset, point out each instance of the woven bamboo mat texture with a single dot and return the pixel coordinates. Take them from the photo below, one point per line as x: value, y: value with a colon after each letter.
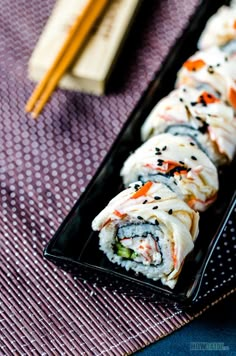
x: 44, y: 167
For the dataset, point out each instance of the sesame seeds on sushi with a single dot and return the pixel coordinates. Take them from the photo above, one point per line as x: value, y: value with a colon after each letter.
x: 177, y: 162
x: 200, y: 115
x: 148, y: 229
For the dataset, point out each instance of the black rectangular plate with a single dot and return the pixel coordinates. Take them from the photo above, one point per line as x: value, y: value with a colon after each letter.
x: 75, y: 245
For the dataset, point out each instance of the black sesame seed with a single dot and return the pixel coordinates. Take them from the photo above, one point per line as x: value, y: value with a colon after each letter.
x: 157, y: 149
x: 192, y: 143
x: 164, y: 148
x: 156, y: 222
x: 170, y: 211
x: 198, y: 118
x: 181, y: 99
x: 193, y: 103
x: 145, y: 201
x: 202, y: 101
x: 204, y: 127
x: 136, y: 187
x: 139, y: 217
x: 181, y: 162
x: 226, y: 59
x: 189, y: 169
x: 157, y: 197
x: 194, y: 158
x: 184, y: 89
x: 177, y: 169
x: 155, y: 207
x: 158, y: 153
x: 218, y: 65
x: 210, y: 70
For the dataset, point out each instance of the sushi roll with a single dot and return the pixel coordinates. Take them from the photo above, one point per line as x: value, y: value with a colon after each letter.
x: 202, y: 116
x: 177, y: 162
x: 220, y: 31
x: 211, y: 71
x: 148, y: 229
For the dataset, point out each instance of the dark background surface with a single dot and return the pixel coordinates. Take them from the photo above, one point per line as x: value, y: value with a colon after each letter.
x: 215, y: 328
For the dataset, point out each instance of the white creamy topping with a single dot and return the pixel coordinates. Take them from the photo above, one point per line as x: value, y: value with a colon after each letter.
x: 218, y: 72
x: 183, y: 108
x: 220, y: 28
x: 177, y: 228
x: 198, y: 190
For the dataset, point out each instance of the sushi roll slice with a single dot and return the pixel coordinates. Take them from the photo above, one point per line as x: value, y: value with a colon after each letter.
x: 212, y: 71
x: 177, y: 162
x: 220, y: 31
x: 148, y: 229
x: 202, y: 116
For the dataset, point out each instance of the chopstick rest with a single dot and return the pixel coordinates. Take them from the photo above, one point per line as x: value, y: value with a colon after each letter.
x: 65, y: 56
x: 93, y: 65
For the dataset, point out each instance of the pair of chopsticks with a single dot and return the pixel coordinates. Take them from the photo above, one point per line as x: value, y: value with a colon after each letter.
x: 73, y: 43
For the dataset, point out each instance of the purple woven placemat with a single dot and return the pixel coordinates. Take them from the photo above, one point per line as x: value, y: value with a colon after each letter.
x: 44, y: 166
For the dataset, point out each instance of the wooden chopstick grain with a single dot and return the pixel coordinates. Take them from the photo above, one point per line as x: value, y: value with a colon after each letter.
x: 70, y: 37
x: 74, y: 41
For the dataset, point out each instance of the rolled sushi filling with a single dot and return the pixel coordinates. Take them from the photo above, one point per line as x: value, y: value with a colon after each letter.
x: 139, y: 242
x: 185, y: 130
x: 229, y: 47
x: 166, y: 177
x: 208, y: 88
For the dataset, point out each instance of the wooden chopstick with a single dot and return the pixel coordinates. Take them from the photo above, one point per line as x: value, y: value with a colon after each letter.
x: 74, y: 41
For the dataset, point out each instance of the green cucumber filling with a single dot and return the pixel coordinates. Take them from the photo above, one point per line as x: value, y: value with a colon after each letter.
x: 139, y: 242
x: 125, y: 251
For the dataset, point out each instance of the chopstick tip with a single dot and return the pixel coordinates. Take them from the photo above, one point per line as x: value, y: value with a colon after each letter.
x: 34, y: 115
x: 28, y: 106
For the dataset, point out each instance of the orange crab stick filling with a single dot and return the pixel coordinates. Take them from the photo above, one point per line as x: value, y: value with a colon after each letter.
x: 207, y: 98
x: 142, y: 191
x: 193, y: 201
x: 171, y: 165
x: 194, y: 65
x: 166, y: 166
x: 232, y: 97
x: 120, y: 215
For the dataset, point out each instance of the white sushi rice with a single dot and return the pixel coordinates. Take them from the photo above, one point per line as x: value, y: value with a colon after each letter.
x: 166, y: 272
x: 175, y: 232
